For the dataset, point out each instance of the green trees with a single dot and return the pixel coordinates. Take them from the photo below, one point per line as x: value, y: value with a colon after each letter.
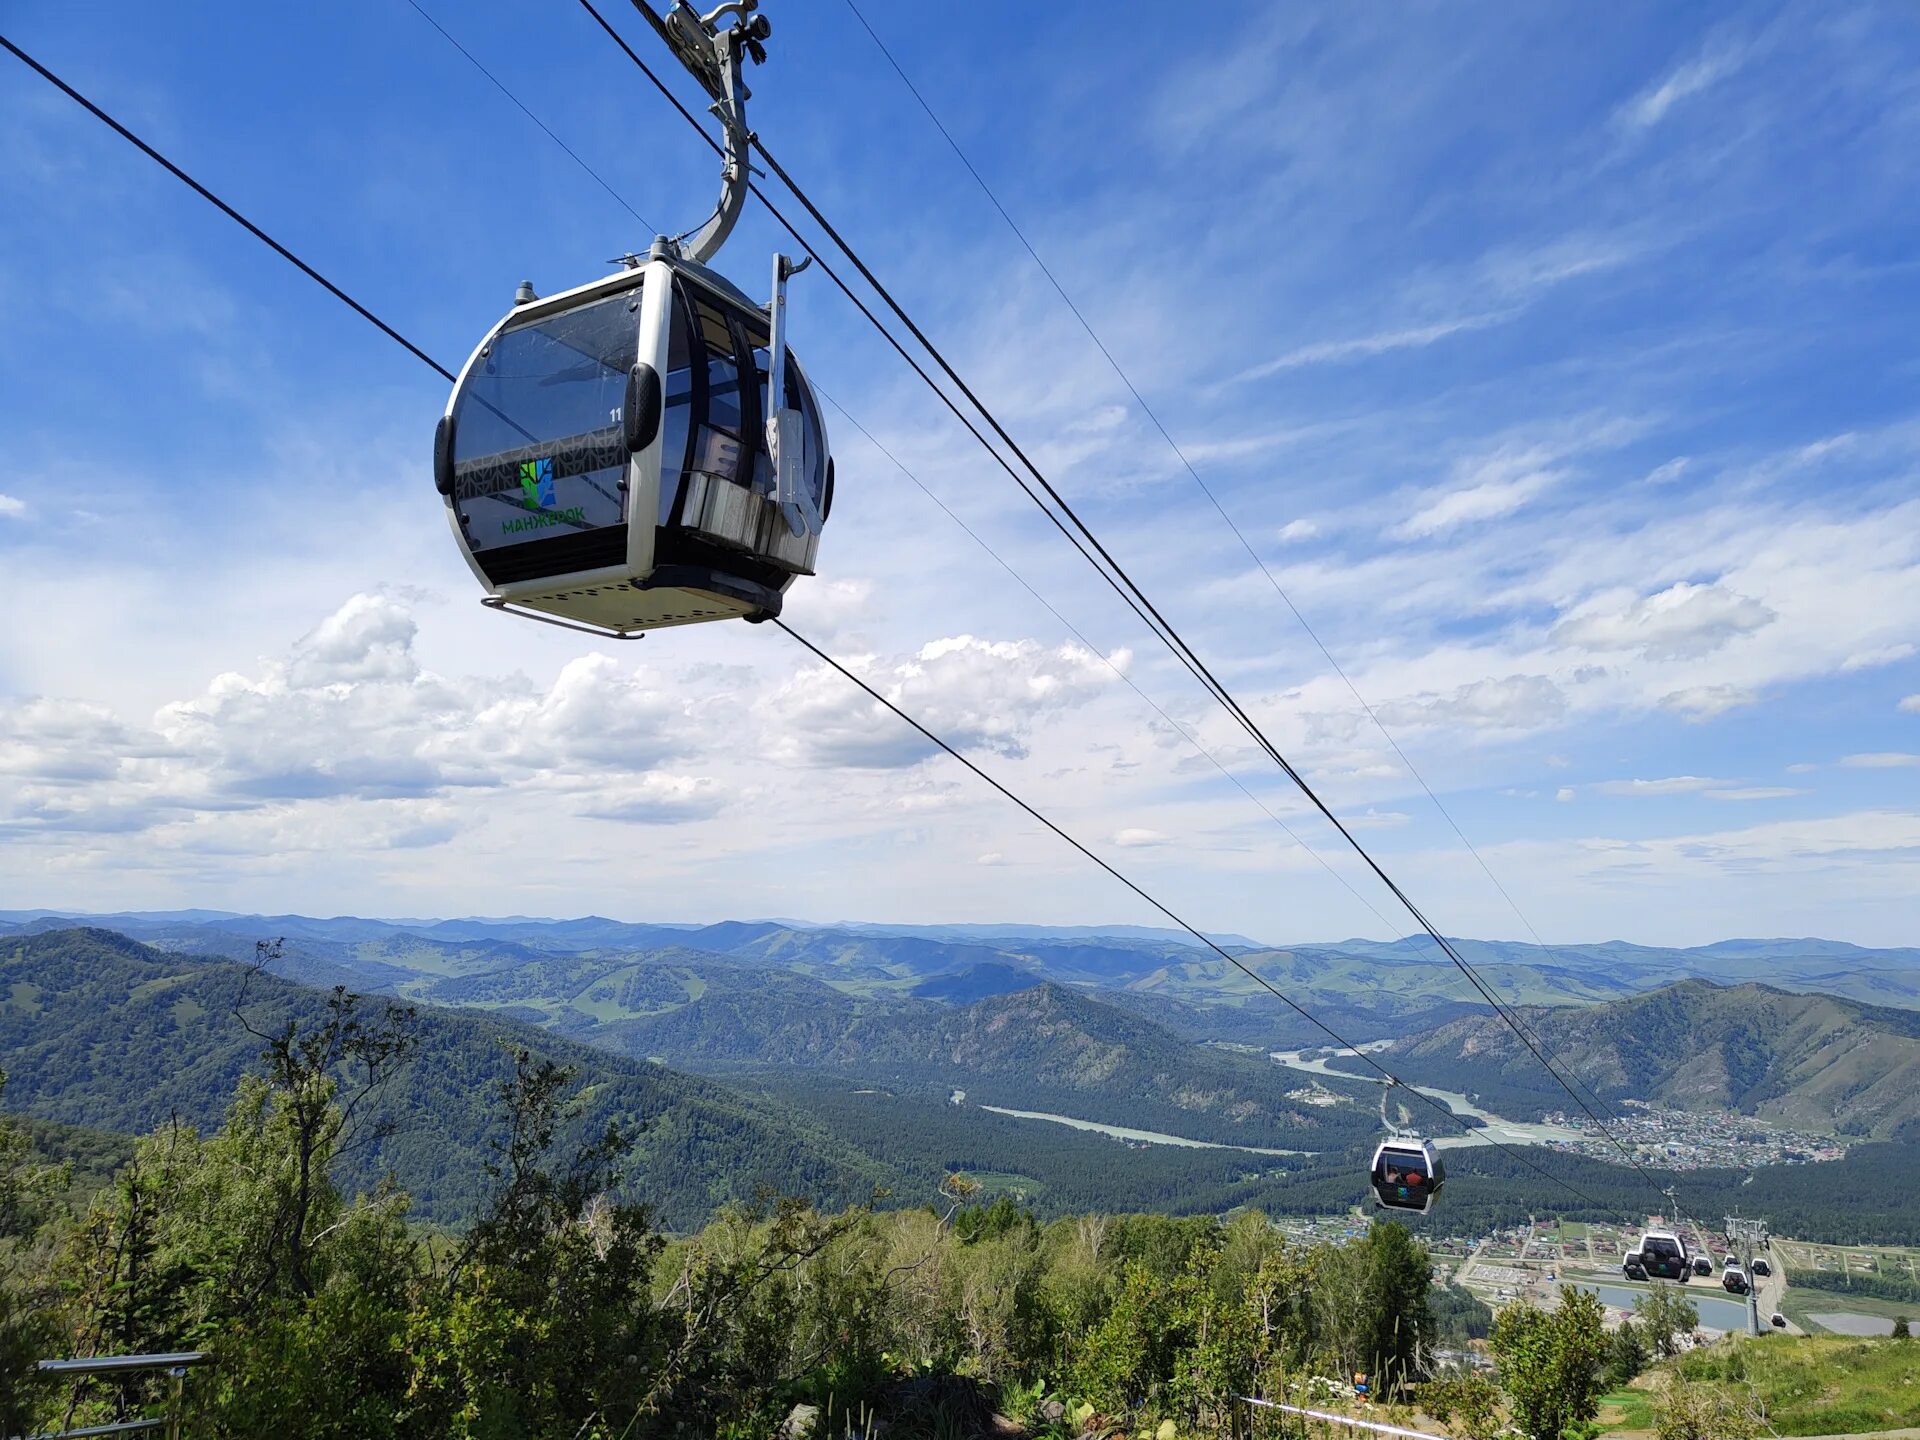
x: 1550, y: 1362
x: 1664, y: 1315
x: 1901, y: 1330
x: 1627, y: 1354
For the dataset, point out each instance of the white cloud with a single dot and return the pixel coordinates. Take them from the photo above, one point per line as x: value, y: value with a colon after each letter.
x: 9, y: 505
x: 1135, y: 837
x: 1911, y: 705
x: 1682, y: 622
x: 1881, y: 760
x: 1360, y: 347
x: 1703, y: 702
x: 992, y: 857
x: 1712, y: 65
x: 976, y: 694
x: 1672, y: 785
x: 1564, y: 794
x: 656, y: 799
x: 368, y: 638
x: 1512, y: 702
x: 1881, y: 655
x: 1666, y: 474
x: 1296, y: 530
x: 1496, y: 486
x: 1754, y: 792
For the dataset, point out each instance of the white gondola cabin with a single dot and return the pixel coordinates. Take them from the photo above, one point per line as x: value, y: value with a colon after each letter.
x: 1406, y: 1175
x: 636, y: 452
x: 1663, y: 1255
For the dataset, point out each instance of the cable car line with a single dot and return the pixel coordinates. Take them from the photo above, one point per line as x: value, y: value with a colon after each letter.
x: 1127, y: 679
x: 232, y: 214
x: 393, y: 334
x: 1387, y: 1075
x: 979, y: 540
x: 1164, y: 629
x: 1180, y: 454
x: 645, y: 223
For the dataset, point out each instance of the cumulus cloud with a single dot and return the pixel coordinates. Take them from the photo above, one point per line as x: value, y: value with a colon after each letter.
x: 1881, y: 760
x: 1564, y: 794
x: 9, y: 505
x: 976, y: 694
x: 1137, y: 837
x: 1296, y: 530
x: 1513, y: 702
x: 350, y: 717
x: 1911, y: 705
x: 368, y: 638
x: 1682, y: 622
x: 1496, y: 486
x: 1703, y: 702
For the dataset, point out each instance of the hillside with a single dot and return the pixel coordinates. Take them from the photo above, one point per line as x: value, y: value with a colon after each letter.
x: 1046, y: 1048
x: 104, y: 1032
x: 1811, y: 1061
x: 1367, y: 989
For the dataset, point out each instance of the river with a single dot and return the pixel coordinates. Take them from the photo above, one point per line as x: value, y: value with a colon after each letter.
x: 1144, y: 1137
x: 1495, y: 1128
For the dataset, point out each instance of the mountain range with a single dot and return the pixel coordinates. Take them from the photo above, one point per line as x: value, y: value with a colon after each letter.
x: 1365, y: 989
x: 1815, y: 1062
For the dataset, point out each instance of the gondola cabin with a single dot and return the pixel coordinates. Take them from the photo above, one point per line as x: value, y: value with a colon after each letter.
x: 1703, y: 1266
x: 636, y: 452
x: 1663, y: 1255
x: 1630, y: 1266
x: 1734, y: 1281
x: 1406, y: 1175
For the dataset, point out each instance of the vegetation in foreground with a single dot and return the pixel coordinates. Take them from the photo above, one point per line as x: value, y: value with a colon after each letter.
x: 563, y: 1312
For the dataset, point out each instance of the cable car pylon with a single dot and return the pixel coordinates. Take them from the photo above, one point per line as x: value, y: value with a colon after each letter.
x: 644, y: 450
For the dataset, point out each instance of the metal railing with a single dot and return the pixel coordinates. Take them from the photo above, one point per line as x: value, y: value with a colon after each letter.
x: 175, y: 1365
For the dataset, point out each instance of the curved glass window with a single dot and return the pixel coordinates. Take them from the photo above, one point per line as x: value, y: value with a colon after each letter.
x: 677, y: 418
x: 718, y: 447
x: 538, y: 446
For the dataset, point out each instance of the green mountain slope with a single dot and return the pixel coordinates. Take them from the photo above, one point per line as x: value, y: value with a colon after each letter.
x: 1046, y: 1048
x: 1811, y: 1061
x: 101, y: 1031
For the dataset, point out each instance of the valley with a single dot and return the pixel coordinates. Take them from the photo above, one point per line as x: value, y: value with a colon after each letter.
x: 854, y: 1040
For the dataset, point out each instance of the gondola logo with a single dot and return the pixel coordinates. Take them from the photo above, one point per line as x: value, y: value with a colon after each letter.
x: 536, y: 484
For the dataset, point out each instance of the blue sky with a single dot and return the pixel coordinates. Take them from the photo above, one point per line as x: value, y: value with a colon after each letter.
x: 1559, y: 364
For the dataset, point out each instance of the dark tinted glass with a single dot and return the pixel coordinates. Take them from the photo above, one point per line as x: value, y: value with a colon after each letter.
x: 538, y: 447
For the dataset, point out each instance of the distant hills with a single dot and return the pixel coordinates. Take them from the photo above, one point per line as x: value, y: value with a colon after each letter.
x: 1367, y: 989
x: 1812, y: 1061
x: 823, y: 1063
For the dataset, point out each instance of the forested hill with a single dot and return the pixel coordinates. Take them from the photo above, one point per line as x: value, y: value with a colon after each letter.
x: 1046, y: 1048
x: 1806, y: 1060
x: 99, y: 1030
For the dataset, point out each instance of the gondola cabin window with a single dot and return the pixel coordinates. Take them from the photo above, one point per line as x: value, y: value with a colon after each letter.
x: 538, y: 448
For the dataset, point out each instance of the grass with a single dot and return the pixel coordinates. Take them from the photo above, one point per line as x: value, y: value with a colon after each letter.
x: 1818, y: 1385
x: 1800, y: 1305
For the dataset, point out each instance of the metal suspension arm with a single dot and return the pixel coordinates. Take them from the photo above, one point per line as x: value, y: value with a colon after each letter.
x: 713, y: 57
